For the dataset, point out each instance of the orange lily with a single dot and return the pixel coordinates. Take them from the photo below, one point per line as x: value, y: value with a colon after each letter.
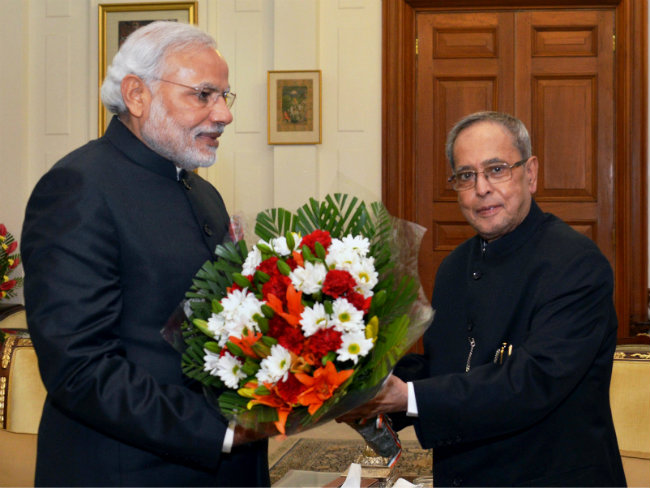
x: 294, y: 305
x: 246, y: 341
x: 274, y: 401
x: 321, y: 385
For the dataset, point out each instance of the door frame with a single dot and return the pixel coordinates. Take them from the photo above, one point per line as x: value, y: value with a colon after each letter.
x: 630, y: 165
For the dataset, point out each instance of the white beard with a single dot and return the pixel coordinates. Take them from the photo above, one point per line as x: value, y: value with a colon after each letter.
x: 166, y: 137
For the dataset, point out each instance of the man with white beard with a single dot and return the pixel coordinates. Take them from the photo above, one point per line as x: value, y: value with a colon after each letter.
x: 113, y: 235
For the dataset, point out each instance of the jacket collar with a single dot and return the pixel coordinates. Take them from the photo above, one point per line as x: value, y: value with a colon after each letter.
x: 523, y: 232
x: 138, y: 152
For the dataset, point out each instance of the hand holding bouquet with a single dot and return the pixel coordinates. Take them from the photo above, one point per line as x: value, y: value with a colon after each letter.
x: 306, y: 324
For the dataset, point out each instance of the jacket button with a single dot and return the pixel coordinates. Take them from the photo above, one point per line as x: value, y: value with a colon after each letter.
x: 476, y: 275
x: 470, y: 325
x: 207, y: 230
x: 457, y: 481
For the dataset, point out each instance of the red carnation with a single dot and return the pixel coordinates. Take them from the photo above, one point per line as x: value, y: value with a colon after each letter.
x: 277, y: 286
x: 15, y: 263
x: 3, y: 230
x: 7, y: 285
x: 290, y: 389
x: 269, y: 266
x: 322, y: 342
x: 11, y: 247
x: 277, y: 325
x: 338, y: 282
x: 292, y: 339
x: 359, y: 301
x: 321, y: 236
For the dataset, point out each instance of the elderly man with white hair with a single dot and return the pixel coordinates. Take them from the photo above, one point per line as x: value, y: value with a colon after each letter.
x: 113, y: 235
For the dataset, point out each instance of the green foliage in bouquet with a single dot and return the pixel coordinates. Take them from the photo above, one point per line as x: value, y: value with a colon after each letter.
x: 341, y: 215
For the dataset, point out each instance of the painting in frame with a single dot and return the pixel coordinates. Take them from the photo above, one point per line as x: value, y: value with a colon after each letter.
x: 294, y: 107
x: 118, y: 20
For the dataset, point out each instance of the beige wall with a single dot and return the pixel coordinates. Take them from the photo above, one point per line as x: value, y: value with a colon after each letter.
x: 49, y: 92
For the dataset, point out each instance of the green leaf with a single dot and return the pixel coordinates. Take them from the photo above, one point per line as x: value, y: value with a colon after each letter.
x: 273, y: 223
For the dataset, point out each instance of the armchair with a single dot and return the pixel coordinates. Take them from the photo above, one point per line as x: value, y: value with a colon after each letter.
x: 21, y: 400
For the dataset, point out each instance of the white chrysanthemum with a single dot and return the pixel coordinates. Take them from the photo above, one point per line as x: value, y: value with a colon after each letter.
x: 313, y: 319
x: 253, y: 260
x: 353, y: 346
x: 239, y: 307
x: 345, y: 253
x: 226, y: 367
x: 275, y: 366
x: 359, y: 244
x: 308, y: 279
x: 217, y: 325
x: 365, y: 275
x: 346, y: 317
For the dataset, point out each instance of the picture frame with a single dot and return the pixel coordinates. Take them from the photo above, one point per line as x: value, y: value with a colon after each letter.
x: 294, y: 107
x: 118, y: 20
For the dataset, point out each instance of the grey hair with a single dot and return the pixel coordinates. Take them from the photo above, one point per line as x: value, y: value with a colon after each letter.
x: 514, y: 126
x: 143, y: 54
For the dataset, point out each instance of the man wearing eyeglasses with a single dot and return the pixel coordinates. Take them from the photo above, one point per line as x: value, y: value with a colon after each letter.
x: 112, y: 238
x: 513, y: 386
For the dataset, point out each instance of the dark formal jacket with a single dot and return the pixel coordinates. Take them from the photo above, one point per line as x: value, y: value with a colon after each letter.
x: 537, y: 414
x: 111, y: 240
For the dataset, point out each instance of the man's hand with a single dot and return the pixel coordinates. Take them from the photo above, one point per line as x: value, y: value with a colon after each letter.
x: 393, y: 397
x: 243, y: 435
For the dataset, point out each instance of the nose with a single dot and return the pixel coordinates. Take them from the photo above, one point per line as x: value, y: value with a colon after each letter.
x: 220, y: 112
x: 483, y: 185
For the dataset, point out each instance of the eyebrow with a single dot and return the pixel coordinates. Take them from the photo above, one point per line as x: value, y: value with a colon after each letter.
x: 482, y: 164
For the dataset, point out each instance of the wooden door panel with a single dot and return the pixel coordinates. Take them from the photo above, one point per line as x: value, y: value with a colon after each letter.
x: 565, y: 95
x: 565, y: 144
x: 465, y: 65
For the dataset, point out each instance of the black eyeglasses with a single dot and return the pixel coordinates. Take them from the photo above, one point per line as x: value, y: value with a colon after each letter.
x: 496, y: 172
x: 206, y: 96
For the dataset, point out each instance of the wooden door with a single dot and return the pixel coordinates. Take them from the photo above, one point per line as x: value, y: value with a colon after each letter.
x: 552, y: 69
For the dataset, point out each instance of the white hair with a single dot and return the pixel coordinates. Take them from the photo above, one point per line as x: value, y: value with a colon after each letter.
x: 143, y: 54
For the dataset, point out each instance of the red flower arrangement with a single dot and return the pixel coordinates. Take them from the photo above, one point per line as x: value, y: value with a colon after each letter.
x: 9, y: 260
x: 306, y: 324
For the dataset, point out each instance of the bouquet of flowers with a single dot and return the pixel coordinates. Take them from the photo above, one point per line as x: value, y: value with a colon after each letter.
x: 306, y: 324
x: 9, y: 259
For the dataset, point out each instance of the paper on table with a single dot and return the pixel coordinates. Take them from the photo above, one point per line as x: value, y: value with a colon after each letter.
x: 353, y: 480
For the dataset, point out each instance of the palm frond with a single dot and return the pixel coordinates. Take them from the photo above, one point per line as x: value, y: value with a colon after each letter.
x: 273, y: 223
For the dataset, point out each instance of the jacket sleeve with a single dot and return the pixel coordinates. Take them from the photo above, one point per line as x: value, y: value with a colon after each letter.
x: 74, y: 301
x: 571, y: 331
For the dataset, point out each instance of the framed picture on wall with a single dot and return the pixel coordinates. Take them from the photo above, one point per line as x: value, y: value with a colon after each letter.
x: 118, y: 20
x: 294, y: 107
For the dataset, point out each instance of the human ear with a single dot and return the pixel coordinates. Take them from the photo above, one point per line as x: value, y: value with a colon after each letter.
x: 532, y: 167
x: 136, y: 95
